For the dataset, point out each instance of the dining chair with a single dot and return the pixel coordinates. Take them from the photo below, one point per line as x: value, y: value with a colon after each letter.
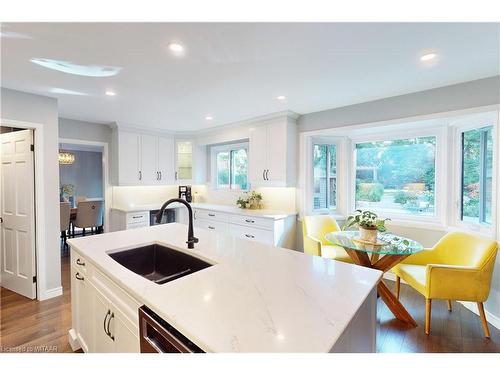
x: 314, y: 230
x: 64, y: 214
x: 89, y: 215
x: 459, y: 267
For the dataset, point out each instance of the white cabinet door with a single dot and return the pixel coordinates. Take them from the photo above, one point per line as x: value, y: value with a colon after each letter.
x: 258, y: 155
x: 101, y: 321
x: 129, y: 148
x: 80, y: 297
x: 166, y: 160
x: 184, y: 161
x: 276, y: 153
x: 149, y: 154
x: 126, y: 340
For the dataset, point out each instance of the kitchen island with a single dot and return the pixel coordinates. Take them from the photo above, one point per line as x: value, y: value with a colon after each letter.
x: 254, y: 298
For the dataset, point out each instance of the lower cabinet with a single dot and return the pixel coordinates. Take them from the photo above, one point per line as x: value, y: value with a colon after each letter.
x: 111, y: 331
x: 280, y: 232
x: 104, y: 317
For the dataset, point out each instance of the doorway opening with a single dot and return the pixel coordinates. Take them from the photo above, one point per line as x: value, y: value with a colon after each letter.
x: 82, y: 185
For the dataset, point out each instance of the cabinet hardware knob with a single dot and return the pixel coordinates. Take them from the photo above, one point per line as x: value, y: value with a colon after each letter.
x: 212, y: 215
x: 176, y: 175
x: 210, y: 227
x: 140, y: 175
x: 249, y: 236
x: 250, y: 221
x: 263, y: 174
x: 160, y: 175
x: 79, y: 262
x: 78, y: 277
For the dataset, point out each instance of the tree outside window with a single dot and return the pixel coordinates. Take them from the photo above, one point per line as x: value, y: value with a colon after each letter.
x: 232, y: 169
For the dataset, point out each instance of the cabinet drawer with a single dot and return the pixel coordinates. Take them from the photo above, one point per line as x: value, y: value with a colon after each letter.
x: 252, y: 234
x: 78, y: 262
x: 210, y: 215
x: 138, y: 225
x: 137, y: 217
x: 252, y: 221
x: 213, y: 225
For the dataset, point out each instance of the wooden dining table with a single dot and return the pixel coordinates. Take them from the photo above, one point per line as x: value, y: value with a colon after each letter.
x: 389, y: 250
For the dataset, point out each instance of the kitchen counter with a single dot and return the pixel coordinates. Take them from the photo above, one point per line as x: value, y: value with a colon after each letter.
x: 255, y: 297
x: 272, y: 214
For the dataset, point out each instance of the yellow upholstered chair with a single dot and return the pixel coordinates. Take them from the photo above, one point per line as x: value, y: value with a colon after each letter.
x: 314, y: 229
x: 459, y: 267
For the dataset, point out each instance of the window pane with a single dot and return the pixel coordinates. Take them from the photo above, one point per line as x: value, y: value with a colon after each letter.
x: 324, y: 177
x: 223, y: 170
x: 477, y: 173
x: 396, y: 176
x: 239, y: 171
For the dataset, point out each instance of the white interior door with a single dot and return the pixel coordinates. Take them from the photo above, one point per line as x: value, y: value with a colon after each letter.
x: 17, y: 226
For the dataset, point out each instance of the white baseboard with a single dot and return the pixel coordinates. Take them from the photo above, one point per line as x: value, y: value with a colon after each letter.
x: 472, y: 306
x: 73, y: 340
x: 492, y: 319
x: 50, y: 293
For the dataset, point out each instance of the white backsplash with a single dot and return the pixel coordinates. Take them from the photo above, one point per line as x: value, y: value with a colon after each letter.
x: 130, y: 196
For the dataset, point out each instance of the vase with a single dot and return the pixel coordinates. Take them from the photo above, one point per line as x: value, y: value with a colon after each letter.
x: 369, y: 235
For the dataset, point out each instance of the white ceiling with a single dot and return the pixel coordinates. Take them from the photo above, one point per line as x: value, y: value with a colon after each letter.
x: 235, y: 71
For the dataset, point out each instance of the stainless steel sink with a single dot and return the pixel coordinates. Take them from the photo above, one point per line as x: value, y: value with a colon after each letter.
x: 158, y: 263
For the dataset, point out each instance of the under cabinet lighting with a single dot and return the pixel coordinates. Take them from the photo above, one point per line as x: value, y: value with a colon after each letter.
x: 281, y: 97
x: 428, y: 56
x: 110, y: 93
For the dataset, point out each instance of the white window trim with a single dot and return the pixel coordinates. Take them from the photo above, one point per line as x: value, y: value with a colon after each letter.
x: 458, y: 127
x: 440, y: 201
x: 214, y: 150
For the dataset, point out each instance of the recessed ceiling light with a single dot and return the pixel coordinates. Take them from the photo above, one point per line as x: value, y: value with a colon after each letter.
x: 428, y: 56
x: 58, y: 90
x: 209, y: 118
x: 80, y: 70
x: 110, y: 93
x: 176, y: 48
x: 281, y: 97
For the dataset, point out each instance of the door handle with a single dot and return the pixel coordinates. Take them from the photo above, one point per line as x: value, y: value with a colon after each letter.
x: 104, y: 323
x: 111, y: 336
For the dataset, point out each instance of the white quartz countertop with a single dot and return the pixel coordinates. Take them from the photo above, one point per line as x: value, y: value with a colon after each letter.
x: 255, y: 297
x: 272, y: 214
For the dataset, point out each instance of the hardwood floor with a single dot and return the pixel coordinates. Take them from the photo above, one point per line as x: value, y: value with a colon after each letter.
x: 27, y: 325
x: 42, y: 326
x: 451, y: 332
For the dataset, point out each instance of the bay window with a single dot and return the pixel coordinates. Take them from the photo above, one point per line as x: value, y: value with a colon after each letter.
x: 477, y: 175
x: 396, y: 176
x: 324, y: 176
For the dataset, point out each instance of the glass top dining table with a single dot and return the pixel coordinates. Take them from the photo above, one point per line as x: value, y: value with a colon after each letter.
x: 388, y: 251
x: 387, y: 243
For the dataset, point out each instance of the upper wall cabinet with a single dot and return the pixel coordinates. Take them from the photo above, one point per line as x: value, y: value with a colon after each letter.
x: 143, y: 159
x: 273, y: 155
x: 190, y: 162
x: 148, y: 159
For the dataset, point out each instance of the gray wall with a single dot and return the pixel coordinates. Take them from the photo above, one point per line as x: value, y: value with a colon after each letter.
x: 85, y: 174
x: 82, y: 130
x: 20, y: 106
x: 448, y: 98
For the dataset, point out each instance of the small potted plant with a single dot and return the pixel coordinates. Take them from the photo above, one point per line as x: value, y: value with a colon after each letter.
x: 251, y: 200
x: 369, y: 225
